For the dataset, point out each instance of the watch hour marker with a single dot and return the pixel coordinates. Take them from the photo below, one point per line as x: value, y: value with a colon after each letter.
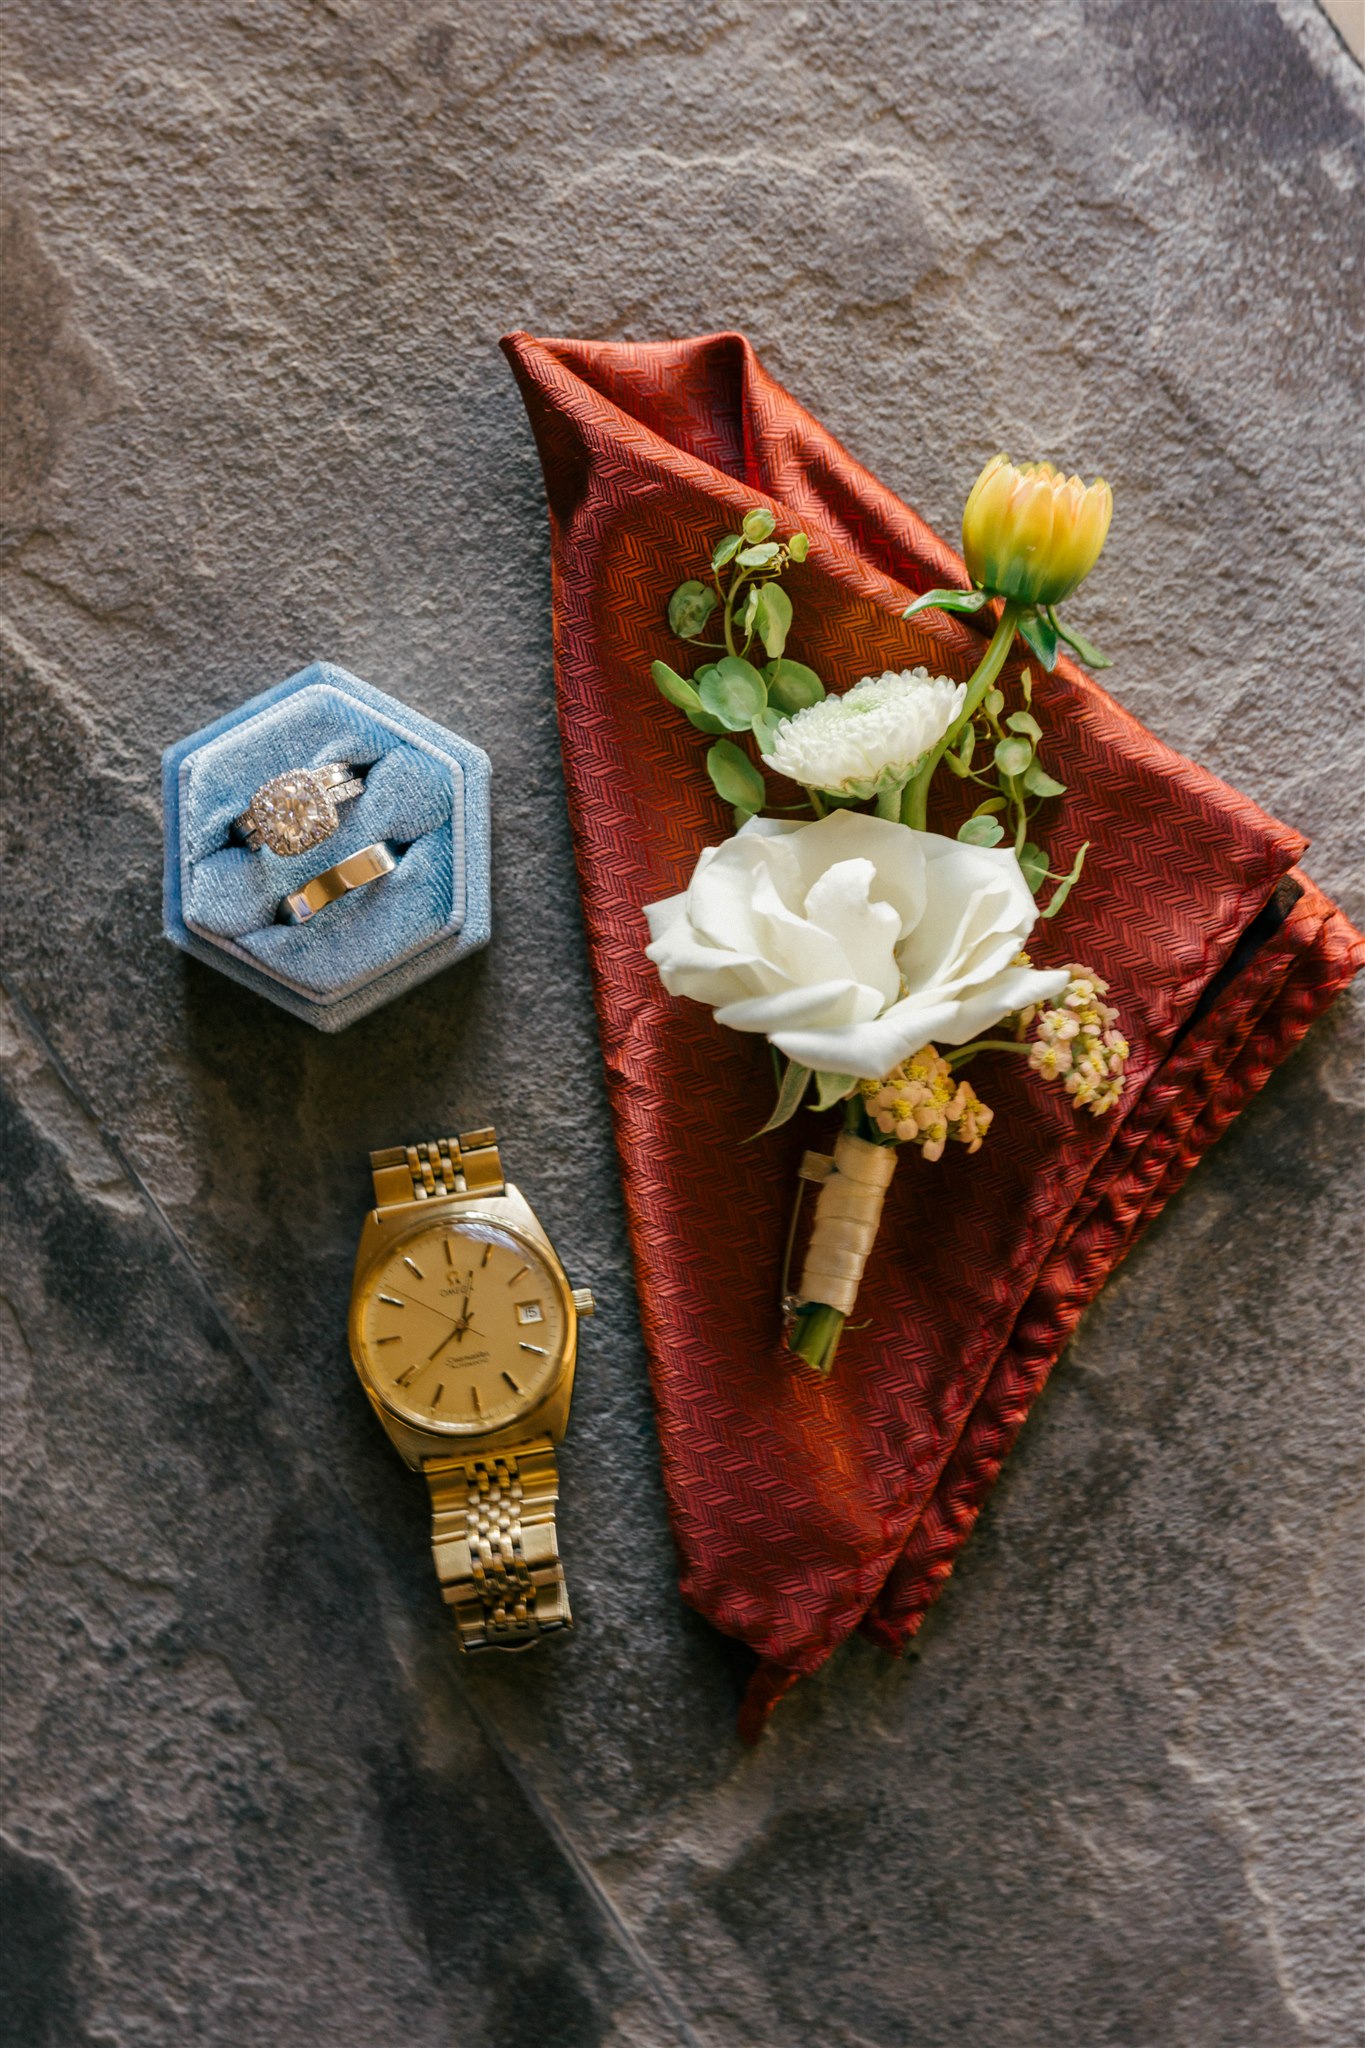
x: 487, y: 1254
x: 475, y: 1403
x: 511, y: 1383
x: 387, y: 1340
x: 539, y: 1350
x: 517, y: 1275
x: 410, y: 1374
x: 415, y: 1267
x: 394, y: 1300
x: 450, y: 1253
x: 436, y: 1397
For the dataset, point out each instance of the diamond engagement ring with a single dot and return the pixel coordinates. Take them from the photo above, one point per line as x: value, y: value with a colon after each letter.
x: 297, y: 810
x: 369, y: 865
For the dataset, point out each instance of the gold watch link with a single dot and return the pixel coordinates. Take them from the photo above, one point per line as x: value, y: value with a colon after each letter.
x: 493, y: 1534
x: 495, y: 1544
x: 440, y: 1168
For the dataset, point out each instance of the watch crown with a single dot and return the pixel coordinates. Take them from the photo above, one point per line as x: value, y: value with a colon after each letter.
x: 583, y: 1301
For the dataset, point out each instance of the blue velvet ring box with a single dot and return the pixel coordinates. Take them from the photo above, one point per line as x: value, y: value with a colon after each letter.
x: 426, y: 793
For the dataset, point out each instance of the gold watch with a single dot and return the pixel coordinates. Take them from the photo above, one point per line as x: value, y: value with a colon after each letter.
x: 464, y: 1330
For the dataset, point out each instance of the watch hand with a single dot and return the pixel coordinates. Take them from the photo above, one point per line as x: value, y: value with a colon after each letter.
x: 456, y: 1336
x: 415, y: 1301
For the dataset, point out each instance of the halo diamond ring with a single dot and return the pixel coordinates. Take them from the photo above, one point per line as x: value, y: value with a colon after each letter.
x: 296, y: 811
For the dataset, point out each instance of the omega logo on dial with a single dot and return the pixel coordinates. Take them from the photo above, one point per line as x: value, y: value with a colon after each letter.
x: 462, y: 1326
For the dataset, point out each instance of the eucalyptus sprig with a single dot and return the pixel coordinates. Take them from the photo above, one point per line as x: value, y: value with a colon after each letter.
x: 734, y: 693
x: 1018, y: 785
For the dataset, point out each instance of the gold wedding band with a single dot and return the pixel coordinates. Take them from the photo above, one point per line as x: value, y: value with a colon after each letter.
x: 348, y: 875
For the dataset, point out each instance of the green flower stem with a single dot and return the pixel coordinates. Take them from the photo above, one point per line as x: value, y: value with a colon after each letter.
x: 728, y: 621
x: 915, y: 810
x: 816, y: 1336
x: 1021, y: 835
x: 889, y: 801
x: 737, y: 583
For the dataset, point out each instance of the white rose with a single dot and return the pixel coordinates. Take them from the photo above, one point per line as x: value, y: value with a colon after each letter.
x: 851, y: 942
x: 871, y: 738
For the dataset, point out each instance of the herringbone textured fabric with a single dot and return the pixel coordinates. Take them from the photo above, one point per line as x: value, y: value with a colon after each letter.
x: 803, y: 1510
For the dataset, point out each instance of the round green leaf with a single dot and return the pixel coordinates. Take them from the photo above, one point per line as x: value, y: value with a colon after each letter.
x: 675, y: 687
x: 765, y: 729
x: 992, y: 803
x: 981, y: 832
x: 1012, y: 756
x: 798, y: 547
x: 690, y: 606
x: 1033, y: 861
x: 760, y: 556
x: 758, y: 524
x: 1040, y: 783
x: 735, y: 777
x: 994, y: 703
x: 726, y: 549
x: 792, y: 686
x: 733, y: 691
x: 1024, y: 721
x: 773, y: 617
x: 704, y: 722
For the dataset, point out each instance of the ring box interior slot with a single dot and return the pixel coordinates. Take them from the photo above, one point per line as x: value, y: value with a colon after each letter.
x: 426, y: 793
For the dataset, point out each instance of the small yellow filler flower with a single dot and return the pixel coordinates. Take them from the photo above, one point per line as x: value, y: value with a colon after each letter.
x: 1031, y: 534
x: 1077, y: 1042
x: 921, y: 1102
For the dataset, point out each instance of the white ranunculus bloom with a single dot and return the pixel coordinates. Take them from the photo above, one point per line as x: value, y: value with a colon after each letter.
x: 869, y: 739
x: 851, y: 942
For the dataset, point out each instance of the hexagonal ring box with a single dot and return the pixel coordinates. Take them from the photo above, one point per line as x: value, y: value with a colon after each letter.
x: 397, y: 779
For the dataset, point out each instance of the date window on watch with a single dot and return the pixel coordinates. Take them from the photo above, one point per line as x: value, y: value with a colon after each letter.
x: 530, y: 1312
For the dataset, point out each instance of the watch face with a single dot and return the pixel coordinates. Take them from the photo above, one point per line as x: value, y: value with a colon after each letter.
x: 461, y: 1325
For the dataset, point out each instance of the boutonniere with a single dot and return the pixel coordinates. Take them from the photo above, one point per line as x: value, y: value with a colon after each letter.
x: 876, y: 957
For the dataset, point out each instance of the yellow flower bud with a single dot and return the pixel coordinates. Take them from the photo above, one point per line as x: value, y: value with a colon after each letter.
x: 1031, y: 534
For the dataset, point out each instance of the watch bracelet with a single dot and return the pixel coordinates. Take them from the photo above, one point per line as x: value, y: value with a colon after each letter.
x: 495, y: 1544
x: 493, y: 1535
x: 438, y: 1168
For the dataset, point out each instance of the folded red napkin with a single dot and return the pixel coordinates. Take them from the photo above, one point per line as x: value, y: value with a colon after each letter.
x: 803, y: 1510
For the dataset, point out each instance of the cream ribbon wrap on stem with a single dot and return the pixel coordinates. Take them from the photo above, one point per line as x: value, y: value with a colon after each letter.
x: 847, y: 1213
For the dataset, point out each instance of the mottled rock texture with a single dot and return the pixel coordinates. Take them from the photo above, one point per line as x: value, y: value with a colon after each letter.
x: 256, y: 261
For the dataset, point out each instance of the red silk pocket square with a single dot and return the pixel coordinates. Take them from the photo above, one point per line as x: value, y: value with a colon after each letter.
x: 803, y: 1510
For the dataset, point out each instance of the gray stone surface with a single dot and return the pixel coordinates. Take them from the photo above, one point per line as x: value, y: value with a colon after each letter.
x: 256, y: 263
